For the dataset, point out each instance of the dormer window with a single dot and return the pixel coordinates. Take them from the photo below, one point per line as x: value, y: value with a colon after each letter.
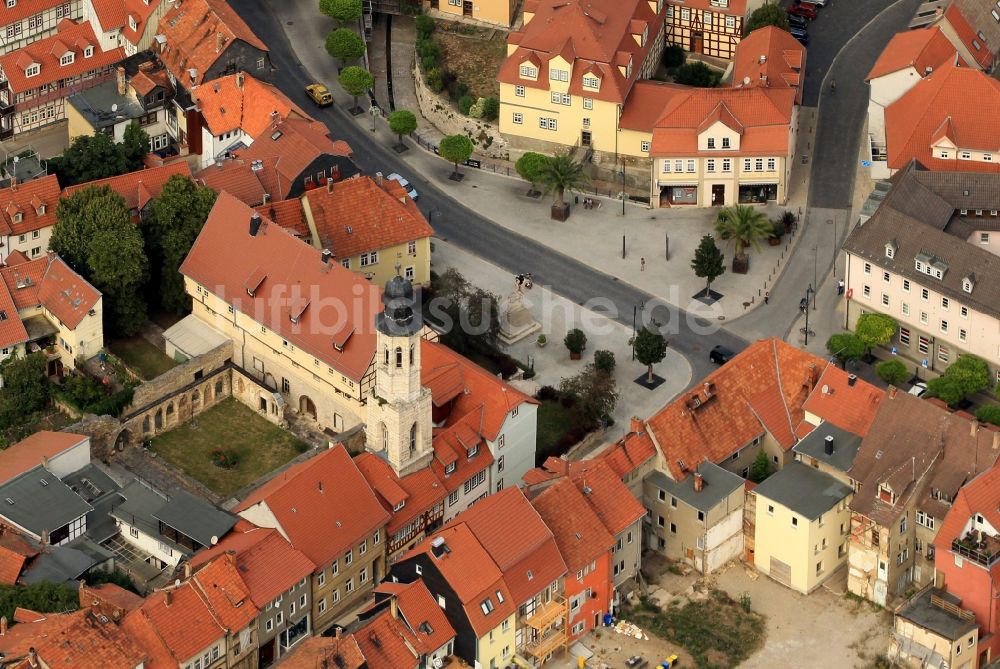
x: 591, y: 82
x: 885, y: 494
x: 473, y: 451
x: 450, y: 468
x: 487, y: 606
x: 399, y: 506
x: 529, y: 72
x: 725, y: 142
x: 131, y: 23
x: 555, y: 74
x: 968, y: 283
x: 67, y: 58
x: 32, y: 70
x: 88, y: 52
x: 11, y: 4
x: 890, y: 250
x: 18, y: 217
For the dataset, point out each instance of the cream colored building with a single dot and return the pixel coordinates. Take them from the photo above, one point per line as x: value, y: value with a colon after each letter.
x: 932, y: 629
x: 802, y: 525
x: 497, y: 12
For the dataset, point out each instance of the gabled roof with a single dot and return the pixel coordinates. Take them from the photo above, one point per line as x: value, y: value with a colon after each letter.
x: 924, y: 50
x: 340, y: 652
x: 23, y: 199
x: 578, y: 531
x: 359, y: 214
x: 980, y: 495
x: 978, y: 47
x: 242, y: 102
x: 276, y: 260
x: 267, y: 563
x: 850, y: 407
x: 82, y: 639
x: 323, y: 505
x: 47, y: 52
x: 760, y: 390
x: 424, y: 618
x: 15, y: 550
x: 139, y: 187
x: 50, y: 283
x: 197, y: 33
x: 771, y: 57
x: 38, y: 507
x: 288, y: 214
x: 646, y: 102
x: 221, y: 585
x: 418, y: 492
x: 961, y: 95
x: 177, y: 622
x: 34, y: 450
x: 114, y: 14
x: 386, y: 643
x: 610, y: 499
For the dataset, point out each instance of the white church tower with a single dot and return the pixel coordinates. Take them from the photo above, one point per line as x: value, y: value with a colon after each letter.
x: 398, y: 426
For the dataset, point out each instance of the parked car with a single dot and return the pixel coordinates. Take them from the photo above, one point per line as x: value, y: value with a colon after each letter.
x: 918, y: 388
x: 818, y: 3
x: 319, y: 94
x: 797, y: 21
x: 720, y: 355
x: 801, y: 34
x: 808, y: 4
x: 806, y: 12
x: 410, y: 190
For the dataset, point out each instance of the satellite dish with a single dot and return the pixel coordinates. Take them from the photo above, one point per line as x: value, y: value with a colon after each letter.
x: 215, y: 539
x: 114, y: 108
x: 16, y: 159
x: 177, y: 582
x: 746, y: 81
x: 825, y: 389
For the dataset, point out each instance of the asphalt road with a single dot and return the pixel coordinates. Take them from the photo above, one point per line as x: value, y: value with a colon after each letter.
x: 475, y: 234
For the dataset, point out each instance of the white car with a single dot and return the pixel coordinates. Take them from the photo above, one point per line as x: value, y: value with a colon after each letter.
x: 410, y: 190
x: 918, y: 389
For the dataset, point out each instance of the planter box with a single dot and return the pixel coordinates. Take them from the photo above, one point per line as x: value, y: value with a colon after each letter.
x: 574, y: 356
x: 560, y: 212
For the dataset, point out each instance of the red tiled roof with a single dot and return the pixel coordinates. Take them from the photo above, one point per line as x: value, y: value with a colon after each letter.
x: 771, y: 57
x: 760, y: 115
x: 967, y: 34
x: 286, y: 213
x: 267, y: 563
x: 919, y: 49
x: 579, y: 533
x: 184, y: 627
x: 284, y: 263
x: 24, y: 199
x: 766, y: 384
x: 139, y: 187
x: 358, y: 215
x: 850, y: 408
x: 53, y: 285
x: 387, y: 644
x: 959, y: 98
x: 12, y: 330
x: 47, y: 52
x: 108, y: 598
x: 242, y: 102
x: 323, y: 505
x: 16, y: 258
x: 140, y: 629
x: 980, y: 495
x: 114, y: 14
x: 223, y: 589
x: 80, y: 639
x: 608, y: 496
x: 595, y: 36
x: 417, y: 607
x: 14, y: 552
x: 646, y: 103
x: 342, y: 653
x: 418, y: 492
x: 23, y: 10
x: 35, y: 449
x: 195, y: 30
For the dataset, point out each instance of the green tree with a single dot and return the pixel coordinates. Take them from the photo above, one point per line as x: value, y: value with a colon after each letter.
x: 845, y: 346
x: 966, y: 376
x: 875, y: 329
x: 491, y: 109
x: 760, y: 468
x: 673, y: 56
x: 469, y: 316
x: 135, y: 145
x: 768, y: 14
x: 117, y: 266
x: 708, y: 262
x: 650, y: 348
x: 344, y: 11
x: 988, y: 414
x: 425, y: 26
x: 402, y: 122
x: 604, y: 361
x: 76, y: 222
x: 697, y: 74
x: 575, y: 341
x: 947, y: 389
x: 345, y: 45
x: 892, y: 371
x: 560, y: 174
x: 530, y: 166
x: 455, y: 149
x: 744, y: 226
x: 26, y: 388
x: 91, y: 157
x: 43, y: 597
x: 356, y: 81
x: 595, y: 392
x: 178, y: 215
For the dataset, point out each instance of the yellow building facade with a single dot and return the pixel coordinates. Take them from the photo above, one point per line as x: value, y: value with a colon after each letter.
x: 497, y: 12
x: 496, y: 648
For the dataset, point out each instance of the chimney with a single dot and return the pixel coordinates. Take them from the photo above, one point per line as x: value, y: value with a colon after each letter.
x: 892, y: 392
x: 3, y: 625
x: 439, y: 547
x: 187, y: 570
x: 928, y: 70
x: 337, y: 630
x: 699, y: 482
x: 166, y: 597
x: 378, y: 178
x: 32, y: 657
x: 44, y: 539
x: 220, y: 39
x: 852, y: 379
x: 828, y: 445
x: 45, y: 461
x: 239, y: 80
x: 973, y: 428
x: 394, y: 607
x: 329, y: 185
x: 254, y: 224
x: 326, y: 261
x: 120, y: 79
x: 635, y: 424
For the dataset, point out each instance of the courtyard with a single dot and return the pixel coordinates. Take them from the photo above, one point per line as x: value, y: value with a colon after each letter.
x: 142, y: 357
x: 250, y: 445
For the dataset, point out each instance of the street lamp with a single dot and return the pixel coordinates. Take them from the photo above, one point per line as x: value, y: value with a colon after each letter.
x: 374, y: 111
x: 804, y: 308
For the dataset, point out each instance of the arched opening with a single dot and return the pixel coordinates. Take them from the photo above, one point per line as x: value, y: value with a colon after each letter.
x: 385, y: 437
x: 218, y: 388
x: 145, y: 425
x: 413, y: 439
x: 387, y: 355
x: 399, y: 356
x: 158, y: 419
x: 307, y: 406
x: 269, y: 381
x: 239, y: 386
x: 170, y: 409
x: 208, y: 394
x: 123, y: 439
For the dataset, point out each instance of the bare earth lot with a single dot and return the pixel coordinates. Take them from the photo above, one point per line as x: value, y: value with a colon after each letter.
x: 474, y: 61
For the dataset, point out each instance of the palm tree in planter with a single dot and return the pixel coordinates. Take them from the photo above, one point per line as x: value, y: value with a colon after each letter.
x: 559, y: 175
x: 745, y: 226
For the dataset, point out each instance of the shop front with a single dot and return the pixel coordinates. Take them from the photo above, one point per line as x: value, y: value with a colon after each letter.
x: 678, y: 194
x: 758, y: 193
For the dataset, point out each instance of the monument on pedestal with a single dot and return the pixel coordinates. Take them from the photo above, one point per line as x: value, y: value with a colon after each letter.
x: 516, y: 322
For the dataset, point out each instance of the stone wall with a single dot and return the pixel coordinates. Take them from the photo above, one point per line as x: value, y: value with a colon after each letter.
x: 438, y: 109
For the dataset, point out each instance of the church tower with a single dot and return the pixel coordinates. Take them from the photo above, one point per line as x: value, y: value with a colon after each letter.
x: 398, y: 426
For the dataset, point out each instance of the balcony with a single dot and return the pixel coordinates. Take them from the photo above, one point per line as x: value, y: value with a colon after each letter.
x: 547, y: 614
x: 980, y: 548
x: 879, y: 152
x: 547, y: 644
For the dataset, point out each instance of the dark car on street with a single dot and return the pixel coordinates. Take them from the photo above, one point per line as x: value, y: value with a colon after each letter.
x: 797, y: 21
x: 720, y: 355
x: 801, y: 34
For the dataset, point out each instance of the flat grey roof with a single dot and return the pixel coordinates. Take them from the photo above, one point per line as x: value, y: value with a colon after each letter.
x: 195, y: 518
x: 60, y: 564
x: 845, y: 446
x: 36, y: 506
x: 719, y: 484
x: 193, y: 336
x: 803, y: 489
x: 138, y: 504
x: 922, y: 613
x: 103, y: 106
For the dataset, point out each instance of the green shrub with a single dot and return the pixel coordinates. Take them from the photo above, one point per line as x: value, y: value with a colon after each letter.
x: 892, y: 371
x: 989, y: 414
x: 575, y: 340
x: 425, y: 26
x: 673, y: 56
x: 491, y: 109
x: 428, y: 63
x: 465, y: 104
x: 461, y: 89
x: 476, y: 110
x: 604, y: 361
x: 435, y: 80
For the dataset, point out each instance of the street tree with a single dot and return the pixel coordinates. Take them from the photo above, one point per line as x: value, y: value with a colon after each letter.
x: 345, y: 45
x: 875, y: 329
x: 455, y: 149
x: 768, y: 14
x: 402, y: 122
x: 530, y: 166
x: 356, y: 81
x: 595, y: 393
x: 744, y: 226
x: 708, y: 262
x: 343, y: 11
x: 650, y: 348
x: 892, y: 371
x: 575, y: 341
x: 845, y: 346
x: 135, y: 145
x: 90, y: 157
x: 966, y: 376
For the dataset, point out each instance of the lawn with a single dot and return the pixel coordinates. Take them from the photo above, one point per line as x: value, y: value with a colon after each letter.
x: 554, y: 422
x: 144, y: 358
x: 258, y: 446
x: 473, y: 61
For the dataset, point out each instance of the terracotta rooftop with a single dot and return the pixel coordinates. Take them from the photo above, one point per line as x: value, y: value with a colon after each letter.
x: 15, y: 551
x: 837, y: 401
x: 110, y: 599
x: 70, y: 37
x: 197, y: 34
x: 623, y: 458
x: 115, y: 14
x: 82, y: 639
x: 35, y: 450
x: 139, y: 187
x: 23, y: 199
x: 978, y: 47
x: 735, y: 8
x: 176, y: 622
x: 769, y: 57
x: 760, y: 390
x: 319, y: 651
x: 53, y: 285
x: 924, y: 50
x: 221, y: 586
x: 288, y: 214
x: 323, y: 505
x: 952, y: 103
x: 386, y: 643
x: 418, y: 492
x: 579, y: 532
x: 275, y: 262
x: 357, y: 215
x: 646, y: 103
x: 242, y: 102
x: 980, y: 496
x: 421, y: 613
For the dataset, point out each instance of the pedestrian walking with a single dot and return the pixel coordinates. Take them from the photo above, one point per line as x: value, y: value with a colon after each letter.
x: 840, y: 287
x: 767, y: 296
x: 642, y: 264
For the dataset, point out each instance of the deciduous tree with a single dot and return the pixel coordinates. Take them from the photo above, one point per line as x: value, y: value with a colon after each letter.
x: 845, y: 346
x: 344, y: 11
x: 650, y: 348
x: 595, y: 392
x: 402, y: 122
x: 356, y: 81
x: 768, y: 14
x: 708, y: 262
x: 26, y: 388
x: 892, y: 371
x: 345, y: 45
x: 135, y: 145
x: 875, y: 329
x: 530, y: 166
x: 455, y: 149
x: 91, y: 157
